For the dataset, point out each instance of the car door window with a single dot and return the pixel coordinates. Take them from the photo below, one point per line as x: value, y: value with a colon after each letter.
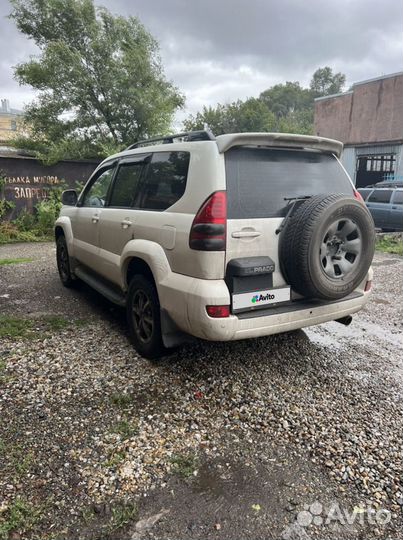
x: 398, y: 197
x: 126, y: 184
x: 97, y: 193
x: 165, y: 180
x: 380, y: 196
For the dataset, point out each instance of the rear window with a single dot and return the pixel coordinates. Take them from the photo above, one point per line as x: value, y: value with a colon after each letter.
x: 380, y: 195
x: 259, y: 180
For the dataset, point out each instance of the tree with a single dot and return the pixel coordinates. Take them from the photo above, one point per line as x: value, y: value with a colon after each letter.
x: 324, y: 82
x: 284, y: 108
x: 99, y: 79
x: 288, y: 98
x: 237, y: 117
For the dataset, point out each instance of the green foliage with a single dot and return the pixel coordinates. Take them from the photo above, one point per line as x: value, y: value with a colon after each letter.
x: 286, y: 99
x: 286, y: 108
x: 4, y: 262
x: 5, y: 206
x: 237, y: 117
x: 37, y: 227
x: 390, y: 243
x: 11, y: 234
x: 122, y: 514
x: 324, y: 82
x: 47, y: 211
x: 23, y: 328
x: 25, y: 221
x: 184, y: 464
x: 20, y: 516
x: 99, y: 79
x: 126, y: 429
x: 121, y: 400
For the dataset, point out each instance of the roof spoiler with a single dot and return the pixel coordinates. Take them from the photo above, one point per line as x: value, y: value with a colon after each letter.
x: 225, y: 142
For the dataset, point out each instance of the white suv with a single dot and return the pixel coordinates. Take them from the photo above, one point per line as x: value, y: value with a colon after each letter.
x: 225, y: 238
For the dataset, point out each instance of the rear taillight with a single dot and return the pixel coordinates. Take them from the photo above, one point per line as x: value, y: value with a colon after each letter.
x: 218, y: 312
x: 208, y: 230
x: 358, y: 196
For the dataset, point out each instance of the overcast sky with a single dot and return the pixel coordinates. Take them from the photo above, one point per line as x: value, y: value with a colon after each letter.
x: 222, y: 50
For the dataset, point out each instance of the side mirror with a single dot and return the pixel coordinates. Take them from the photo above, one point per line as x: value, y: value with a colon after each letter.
x: 69, y: 197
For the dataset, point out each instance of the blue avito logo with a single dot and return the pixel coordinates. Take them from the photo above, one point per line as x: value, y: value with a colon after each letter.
x: 262, y: 297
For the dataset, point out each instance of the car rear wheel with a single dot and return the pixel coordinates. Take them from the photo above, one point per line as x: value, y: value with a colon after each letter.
x: 143, y: 318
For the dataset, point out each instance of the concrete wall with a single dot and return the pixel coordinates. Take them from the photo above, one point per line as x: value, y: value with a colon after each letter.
x: 371, y: 113
x: 27, y: 181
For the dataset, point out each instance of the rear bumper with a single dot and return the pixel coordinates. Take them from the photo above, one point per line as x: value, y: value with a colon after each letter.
x: 186, y: 299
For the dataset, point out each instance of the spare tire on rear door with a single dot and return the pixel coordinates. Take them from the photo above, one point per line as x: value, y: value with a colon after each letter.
x: 327, y: 246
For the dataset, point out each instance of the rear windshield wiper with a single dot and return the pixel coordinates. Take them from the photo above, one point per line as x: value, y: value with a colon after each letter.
x: 299, y: 198
x: 293, y: 201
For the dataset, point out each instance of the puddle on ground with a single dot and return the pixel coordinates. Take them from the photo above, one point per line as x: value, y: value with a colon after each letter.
x: 380, y: 301
x: 336, y: 336
x: 386, y: 262
x: 209, y: 480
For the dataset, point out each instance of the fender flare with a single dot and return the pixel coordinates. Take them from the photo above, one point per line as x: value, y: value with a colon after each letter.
x: 64, y: 223
x: 151, y: 253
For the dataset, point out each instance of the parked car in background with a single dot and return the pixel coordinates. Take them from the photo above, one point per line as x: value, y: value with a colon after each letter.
x: 386, y: 207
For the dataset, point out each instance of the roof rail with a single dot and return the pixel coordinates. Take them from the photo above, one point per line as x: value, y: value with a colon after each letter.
x: 188, y: 136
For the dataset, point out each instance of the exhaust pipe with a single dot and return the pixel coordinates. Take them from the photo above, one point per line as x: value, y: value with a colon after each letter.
x: 345, y: 320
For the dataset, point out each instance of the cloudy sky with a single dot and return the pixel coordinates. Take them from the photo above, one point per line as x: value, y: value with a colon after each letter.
x: 222, y: 50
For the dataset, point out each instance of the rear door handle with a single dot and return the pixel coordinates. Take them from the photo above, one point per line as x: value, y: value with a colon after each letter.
x: 95, y: 218
x: 245, y: 234
x: 126, y: 223
x: 394, y: 207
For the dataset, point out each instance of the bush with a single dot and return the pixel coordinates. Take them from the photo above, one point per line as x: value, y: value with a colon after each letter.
x: 25, y: 221
x: 10, y: 233
x: 37, y: 227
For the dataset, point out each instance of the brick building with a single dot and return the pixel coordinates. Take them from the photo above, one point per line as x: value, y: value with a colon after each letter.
x: 368, y: 119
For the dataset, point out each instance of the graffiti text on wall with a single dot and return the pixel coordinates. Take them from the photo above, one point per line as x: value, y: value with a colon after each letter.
x: 28, y: 187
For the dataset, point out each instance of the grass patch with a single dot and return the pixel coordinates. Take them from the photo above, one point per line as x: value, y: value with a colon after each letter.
x: 121, y: 400
x: 389, y: 244
x: 55, y: 322
x: 126, y: 429
x: 11, y: 234
x: 184, y: 465
x: 18, y: 460
x: 3, y: 377
x: 20, y: 517
x: 4, y: 262
x: 14, y: 327
x: 122, y: 514
x: 115, y: 459
x: 23, y: 328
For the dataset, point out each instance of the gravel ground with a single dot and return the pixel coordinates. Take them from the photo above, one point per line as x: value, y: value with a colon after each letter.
x: 249, y: 439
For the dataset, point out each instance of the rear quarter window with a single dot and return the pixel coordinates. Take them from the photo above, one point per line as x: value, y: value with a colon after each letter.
x: 380, y: 196
x: 165, y: 181
x: 260, y: 179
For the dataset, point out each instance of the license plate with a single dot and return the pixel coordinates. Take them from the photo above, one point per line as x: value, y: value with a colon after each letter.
x: 258, y: 299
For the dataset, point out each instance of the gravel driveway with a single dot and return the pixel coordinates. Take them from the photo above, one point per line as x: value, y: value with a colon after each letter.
x: 290, y: 436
